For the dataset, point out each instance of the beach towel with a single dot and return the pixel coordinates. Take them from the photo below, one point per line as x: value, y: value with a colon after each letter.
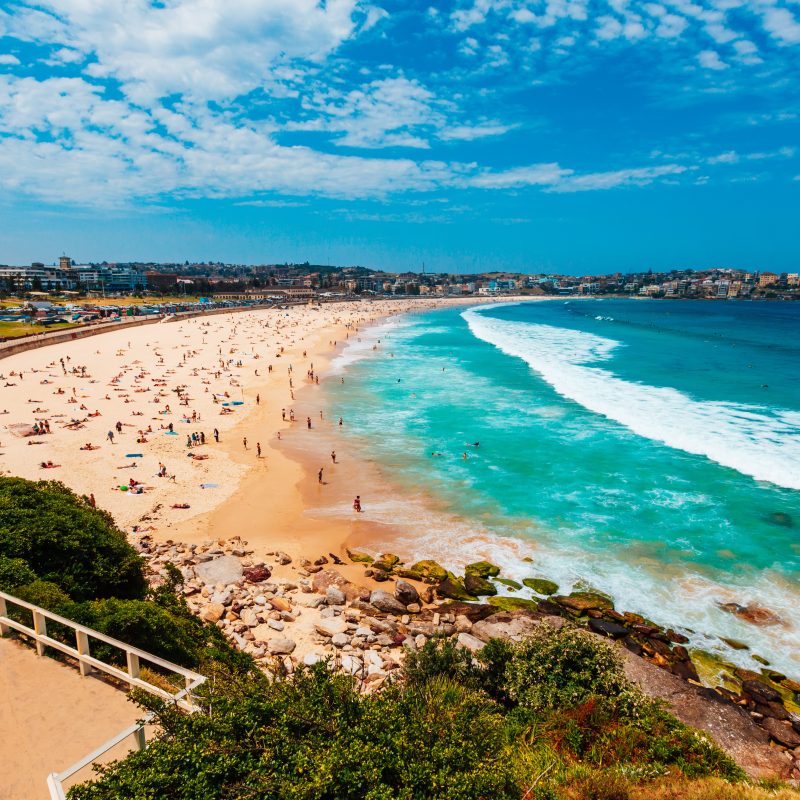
x: 133, y: 455
x: 209, y: 485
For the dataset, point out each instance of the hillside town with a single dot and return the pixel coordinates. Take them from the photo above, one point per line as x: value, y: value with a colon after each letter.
x: 237, y: 282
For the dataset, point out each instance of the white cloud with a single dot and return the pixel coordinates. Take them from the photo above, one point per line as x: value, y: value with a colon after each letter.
x: 709, y: 59
x: 7, y: 58
x: 611, y: 180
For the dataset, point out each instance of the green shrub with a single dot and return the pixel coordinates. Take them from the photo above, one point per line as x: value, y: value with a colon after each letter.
x: 314, y: 737
x: 67, y: 542
x: 441, y: 657
x: 565, y: 667
x: 145, y: 625
x: 14, y: 572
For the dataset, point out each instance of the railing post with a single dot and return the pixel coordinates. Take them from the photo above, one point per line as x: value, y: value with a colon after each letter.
x: 40, y: 627
x: 82, y: 646
x: 139, y: 738
x: 133, y: 664
x: 4, y: 629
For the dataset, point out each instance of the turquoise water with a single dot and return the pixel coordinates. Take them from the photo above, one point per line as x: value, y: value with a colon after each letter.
x: 650, y: 449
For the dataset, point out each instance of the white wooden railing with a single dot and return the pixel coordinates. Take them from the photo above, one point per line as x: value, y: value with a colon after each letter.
x: 86, y: 663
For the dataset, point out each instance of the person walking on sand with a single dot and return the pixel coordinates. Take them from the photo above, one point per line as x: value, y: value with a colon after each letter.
x: 244, y: 442
x: 308, y: 422
x: 258, y: 449
x: 357, y: 504
x: 333, y: 456
x: 110, y: 437
x: 319, y: 475
x: 216, y: 435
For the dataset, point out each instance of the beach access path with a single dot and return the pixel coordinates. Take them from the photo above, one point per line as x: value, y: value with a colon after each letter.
x: 50, y: 717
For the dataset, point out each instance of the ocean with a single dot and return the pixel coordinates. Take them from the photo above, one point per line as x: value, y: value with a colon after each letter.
x: 648, y: 449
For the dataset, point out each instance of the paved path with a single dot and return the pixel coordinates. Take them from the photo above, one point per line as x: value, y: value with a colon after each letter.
x: 50, y: 717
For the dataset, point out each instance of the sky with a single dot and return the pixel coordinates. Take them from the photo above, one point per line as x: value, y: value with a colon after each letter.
x: 573, y: 136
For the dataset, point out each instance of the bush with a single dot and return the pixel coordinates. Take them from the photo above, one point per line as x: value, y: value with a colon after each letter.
x: 145, y: 625
x: 564, y: 668
x: 14, y: 572
x: 65, y: 541
x: 314, y: 737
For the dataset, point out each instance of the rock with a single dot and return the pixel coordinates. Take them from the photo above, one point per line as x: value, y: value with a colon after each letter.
x: 330, y: 627
x: 224, y: 570
x: 283, y: 558
x: 760, y: 692
x: 257, y: 574
x: 781, y: 732
x: 478, y: 586
x: 406, y: 593
x: 472, y: 643
x: 757, y: 615
x: 792, y: 686
x: 512, y: 584
x: 513, y: 625
x: 611, y: 629
x: 340, y: 640
x: 280, y: 646
x: 414, y: 608
x: 334, y: 596
x: 309, y: 659
x: 452, y: 588
x: 330, y: 577
x: 280, y: 604
x: 513, y: 604
x: 774, y: 710
x: 351, y: 664
x: 275, y: 624
x: 583, y: 601
x: 212, y: 612
x: 541, y: 585
x: 386, y: 563
x: 735, y: 644
x: 781, y: 518
x: 249, y: 617
x: 482, y: 569
x: 383, y: 601
x: 359, y: 558
x: 462, y: 624
x: 427, y: 571
x: 472, y: 611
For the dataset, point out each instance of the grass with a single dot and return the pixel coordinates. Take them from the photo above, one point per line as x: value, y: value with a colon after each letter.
x: 13, y: 330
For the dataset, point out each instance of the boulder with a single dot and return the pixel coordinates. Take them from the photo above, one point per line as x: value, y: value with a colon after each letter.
x: 472, y: 611
x: 257, y: 574
x: 280, y: 604
x: 611, y: 629
x: 472, y: 643
x: 330, y: 577
x: 583, y: 601
x: 334, y: 596
x: 757, y: 615
x: 513, y: 604
x: 279, y: 646
x: 360, y: 558
x: 427, y: 571
x: 213, y: 612
x: 263, y: 632
x: 340, y: 640
x: 283, y: 558
x: 331, y: 626
x: 782, y: 732
x: 478, y: 586
x: 406, y: 593
x: 482, y: 569
x: 541, y: 585
x: 513, y: 625
x: 383, y: 601
x: 453, y: 588
x: 760, y: 692
x: 224, y: 570
x: 386, y: 563
x: 249, y: 618
x: 512, y: 584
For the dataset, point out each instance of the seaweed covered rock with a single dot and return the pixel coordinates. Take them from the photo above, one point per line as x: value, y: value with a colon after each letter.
x: 453, y: 588
x: 427, y: 571
x: 541, y: 585
x: 482, y: 569
x: 478, y: 586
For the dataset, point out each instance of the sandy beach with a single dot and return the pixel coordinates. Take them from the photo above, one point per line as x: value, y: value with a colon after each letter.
x: 136, y: 397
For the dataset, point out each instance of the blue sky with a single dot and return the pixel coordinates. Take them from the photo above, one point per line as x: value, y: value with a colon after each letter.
x: 578, y: 136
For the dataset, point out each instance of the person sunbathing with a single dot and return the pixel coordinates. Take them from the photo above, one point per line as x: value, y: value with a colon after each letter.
x: 181, y: 505
x: 90, y: 446
x: 96, y: 413
x: 48, y: 465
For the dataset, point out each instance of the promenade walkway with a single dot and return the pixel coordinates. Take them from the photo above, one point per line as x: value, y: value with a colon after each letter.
x: 50, y: 717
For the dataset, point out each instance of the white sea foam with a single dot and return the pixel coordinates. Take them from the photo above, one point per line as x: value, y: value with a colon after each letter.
x: 360, y: 346
x: 754, y: 440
